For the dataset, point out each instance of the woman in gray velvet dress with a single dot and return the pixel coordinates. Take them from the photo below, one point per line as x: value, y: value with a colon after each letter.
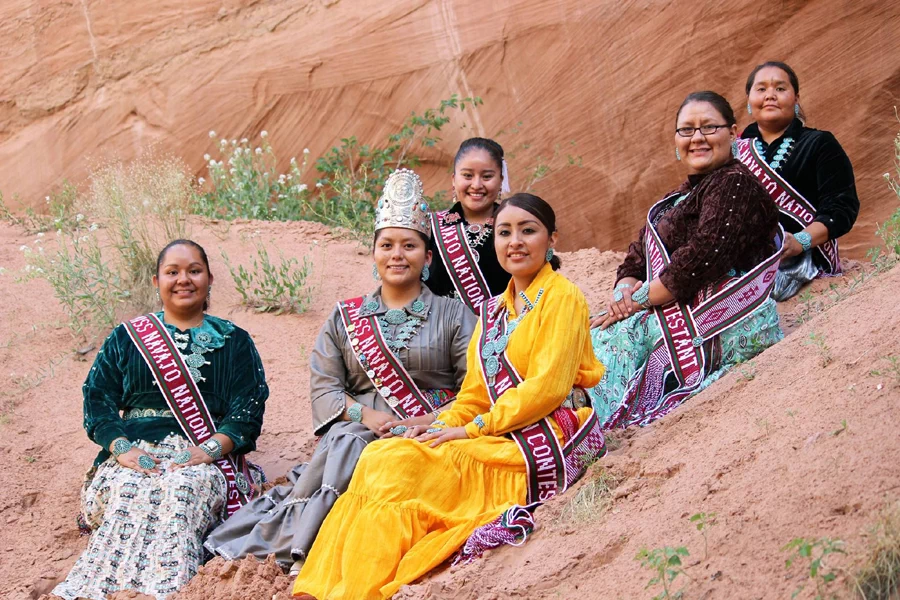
x: 428, y: 334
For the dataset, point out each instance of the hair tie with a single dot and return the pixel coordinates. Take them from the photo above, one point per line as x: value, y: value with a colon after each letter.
x: 504, y: 187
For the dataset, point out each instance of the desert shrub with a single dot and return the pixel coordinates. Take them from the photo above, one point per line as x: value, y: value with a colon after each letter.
x: 889, y: 231
x: 60, y: 212
x: 101, y: 272
x: 285, y: 287
x: 244, y: 181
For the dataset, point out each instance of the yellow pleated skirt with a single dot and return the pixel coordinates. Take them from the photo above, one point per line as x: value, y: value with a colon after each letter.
x: 409, y: 507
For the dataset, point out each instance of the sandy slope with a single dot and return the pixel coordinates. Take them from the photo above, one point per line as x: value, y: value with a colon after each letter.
x: 769, y: 455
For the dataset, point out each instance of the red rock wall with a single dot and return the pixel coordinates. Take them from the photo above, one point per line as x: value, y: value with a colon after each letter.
x: 87, y: 80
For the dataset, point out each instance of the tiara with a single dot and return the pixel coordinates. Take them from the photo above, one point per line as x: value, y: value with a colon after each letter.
x: 402, y: 203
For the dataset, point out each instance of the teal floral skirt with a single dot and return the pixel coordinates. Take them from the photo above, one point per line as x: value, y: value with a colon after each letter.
x: 624, y: 347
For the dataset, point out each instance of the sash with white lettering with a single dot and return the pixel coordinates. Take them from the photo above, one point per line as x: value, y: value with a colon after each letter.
x: 789, y: 201
x: 459, y: 259
x: 551, y: 469
x: 688, y: 347
x: 382, y: 366
x: 180, y: 390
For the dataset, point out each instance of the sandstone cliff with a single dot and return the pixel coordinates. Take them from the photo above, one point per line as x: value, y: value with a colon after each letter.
x: 85, y: 80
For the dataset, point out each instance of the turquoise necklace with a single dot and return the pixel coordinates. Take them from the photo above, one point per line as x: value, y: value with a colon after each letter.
x: 784, y: 150
x: 406, y: 325
x: 497, y: 342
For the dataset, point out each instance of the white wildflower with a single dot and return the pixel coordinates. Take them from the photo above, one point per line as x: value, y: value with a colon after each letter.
x: 79, y: 218
x: 212, y: 133
x: 41, y: 234
x: 2, y: 270
x: 93, y: 227
x: 232, y: 171
x: 23, y: 248
x: 234, y: 142
x: 281, y: 178
x: 290, y: 177
x: 258, y: 151
x: 237, y: 151
x: 212, y: 162
x: 306, y: 151
x: 38, y: 270
x: 206, y: 157
x: 58, y: 232
x: 301, y: 187
x: 47, y: 198
x: 318, y: 184
x: 40, y: 249
x: 293, y: 160
x: 263, y: 134
x: 200, y: 181
x: 38, y: 241
x: 223, y: 142
x: 244, y: 140
x: 886, y: 176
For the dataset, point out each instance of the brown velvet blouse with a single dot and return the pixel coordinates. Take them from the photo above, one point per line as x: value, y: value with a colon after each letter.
x: 726, y: 222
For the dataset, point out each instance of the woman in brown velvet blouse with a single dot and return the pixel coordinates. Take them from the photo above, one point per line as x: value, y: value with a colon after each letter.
x: 719, y: 225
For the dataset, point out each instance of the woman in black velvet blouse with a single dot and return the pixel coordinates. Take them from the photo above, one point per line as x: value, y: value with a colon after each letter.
x: 813, y: 163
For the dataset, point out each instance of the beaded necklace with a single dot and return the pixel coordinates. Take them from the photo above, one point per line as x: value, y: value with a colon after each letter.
x: 496, y: 342
x: 195, y: 359
x: 784, y: 150
x: 406, y: 324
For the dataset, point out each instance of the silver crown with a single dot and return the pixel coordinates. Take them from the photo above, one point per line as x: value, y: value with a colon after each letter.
x: 402, y: 203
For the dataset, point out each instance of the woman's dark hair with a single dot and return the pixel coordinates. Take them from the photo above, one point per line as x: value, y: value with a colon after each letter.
x: 424, y: 238
x: 192, y: 244
x: 539, y: 208
x: 792, y: 78
x: 718, y: 102
x: 494, y: 150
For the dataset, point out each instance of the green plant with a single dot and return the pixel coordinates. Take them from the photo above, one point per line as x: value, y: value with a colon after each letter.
x: 703, y: 521
x: 244, y: 181
x: 101, y: 275
x: 817, y: 341
x: 813, y: 553
x: 29, y: 459
x: 60, y: 215
x: 892, y: 369
x: 843, y: 428
x: 747, y: 372
x: 889, y: 231
x: 878, y: 577
x: 666, y: 565
x: 267, y: 287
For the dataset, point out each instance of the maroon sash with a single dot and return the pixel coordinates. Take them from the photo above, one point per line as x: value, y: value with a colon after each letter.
x: 688, y: 347
x: 180, y: 390
x: 790, y: 202
x: 382, y: 366
x: 459, y: 260
x: 551, y: 467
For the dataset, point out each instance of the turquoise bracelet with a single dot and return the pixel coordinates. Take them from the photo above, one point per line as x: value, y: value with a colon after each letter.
x: 804, y: 239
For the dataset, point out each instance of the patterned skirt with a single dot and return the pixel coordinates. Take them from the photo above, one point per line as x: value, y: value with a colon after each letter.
x: 624, y: 347
x: 148, y: 530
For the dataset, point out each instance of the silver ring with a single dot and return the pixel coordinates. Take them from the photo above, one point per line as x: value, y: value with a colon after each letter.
x: 618, y: 296
x: 399, y: 429
x: 433, y: 430
x: 182, y: 457
x: 600, y: 313
x: 145, y: 462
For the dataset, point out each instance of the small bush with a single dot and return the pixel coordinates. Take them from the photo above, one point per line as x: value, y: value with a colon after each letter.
x: 592, y: 499
x: 60, y: 212
x: 100, y: 279
x: 666, y: 565
x: 813, y: 554
x: 267, y: 287
x: 244, y: 181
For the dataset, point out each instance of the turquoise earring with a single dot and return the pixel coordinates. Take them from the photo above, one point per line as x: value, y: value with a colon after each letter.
x: 375, y: 274
x: 426, y: 273
x: 677, y: 154
x: 796, y: 110
x: 734, y: 148
x: 749, y: 110
x: 549, y: 254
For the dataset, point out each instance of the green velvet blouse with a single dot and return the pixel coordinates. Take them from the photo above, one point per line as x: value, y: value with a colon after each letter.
x: 233, y: 384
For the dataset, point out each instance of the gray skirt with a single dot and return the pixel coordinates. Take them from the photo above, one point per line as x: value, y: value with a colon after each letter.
x: 286, y: 519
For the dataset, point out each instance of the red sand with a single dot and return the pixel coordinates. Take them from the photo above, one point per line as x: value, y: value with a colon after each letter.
x: 766, y: 451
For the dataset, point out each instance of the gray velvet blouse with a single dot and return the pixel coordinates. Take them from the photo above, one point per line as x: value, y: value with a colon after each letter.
x: 435, y: 357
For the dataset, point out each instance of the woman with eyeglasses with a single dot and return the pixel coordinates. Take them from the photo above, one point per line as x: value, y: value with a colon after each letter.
x: 692, y: 297
x: 805, y: 171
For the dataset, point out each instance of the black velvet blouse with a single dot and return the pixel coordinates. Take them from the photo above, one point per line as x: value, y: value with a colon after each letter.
x: 439, y: 281
x: 820, y: 170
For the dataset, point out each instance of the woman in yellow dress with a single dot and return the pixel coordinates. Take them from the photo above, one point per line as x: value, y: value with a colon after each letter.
x: 414, y: 501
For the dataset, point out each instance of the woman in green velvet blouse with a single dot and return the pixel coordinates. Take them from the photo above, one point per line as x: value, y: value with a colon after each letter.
x: 152, y: 495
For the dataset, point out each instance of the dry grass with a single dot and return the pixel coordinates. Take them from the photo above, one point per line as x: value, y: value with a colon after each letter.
x: 593, y: 498
x: 878, y: 578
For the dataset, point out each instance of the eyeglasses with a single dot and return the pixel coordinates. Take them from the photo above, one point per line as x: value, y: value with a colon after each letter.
x: 704, y: 129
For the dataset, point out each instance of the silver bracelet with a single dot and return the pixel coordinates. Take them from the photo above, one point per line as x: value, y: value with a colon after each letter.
x: 213, y: 448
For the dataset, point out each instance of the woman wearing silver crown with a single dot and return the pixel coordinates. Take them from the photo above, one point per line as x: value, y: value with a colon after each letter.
x: 382, y: 363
